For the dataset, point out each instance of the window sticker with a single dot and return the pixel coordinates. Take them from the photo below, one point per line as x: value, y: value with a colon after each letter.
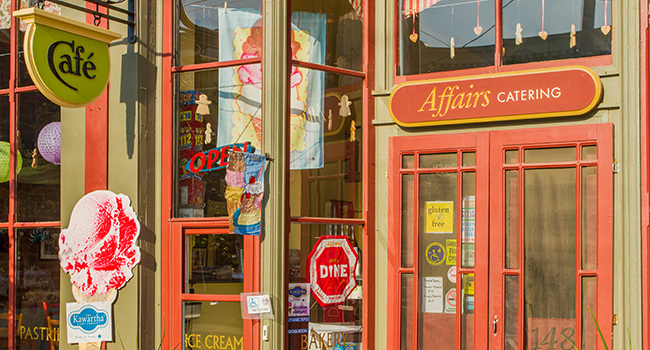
x: 451, y: 252
x: 436, y: 254
x: 432, y: 295
x: 439, y: 217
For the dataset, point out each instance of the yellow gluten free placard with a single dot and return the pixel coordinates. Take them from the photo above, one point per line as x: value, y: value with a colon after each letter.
x: 439, y: 217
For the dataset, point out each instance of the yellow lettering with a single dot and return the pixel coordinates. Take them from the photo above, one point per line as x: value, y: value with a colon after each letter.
x: 188, y: 341
x: 487, y: 100
x: 431, y: 100
x: 22, y: 332
x: 221, y: 337
x: 329, y: 340
x: 238, y: 342
x: 43, y: 329
x: 469, y: 100
x: 303, y: 341
x: 209, y: 341
x: 458, y: 101
x: 29, y: 334
x: 198, y: 340
x: 477, y: 95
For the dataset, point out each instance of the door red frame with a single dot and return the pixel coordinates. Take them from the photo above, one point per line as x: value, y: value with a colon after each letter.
x: 179, y: 230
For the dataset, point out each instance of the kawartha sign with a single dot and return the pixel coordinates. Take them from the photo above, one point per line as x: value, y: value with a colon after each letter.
x: 68, y: 60
x: 542, y: 93
x: 332, y: 263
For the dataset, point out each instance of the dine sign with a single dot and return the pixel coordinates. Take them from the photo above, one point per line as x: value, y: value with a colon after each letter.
x: 332, y: 263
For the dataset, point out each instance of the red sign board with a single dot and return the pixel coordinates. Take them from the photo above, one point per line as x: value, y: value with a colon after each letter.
x: 331, y: 263
x: 542, y: 93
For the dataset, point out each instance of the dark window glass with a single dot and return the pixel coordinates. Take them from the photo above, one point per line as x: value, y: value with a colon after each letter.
x: 39, y: 144
x: 4, y: 158
x: 37, y: 287
x: 555, y: 29
x: 445, y: 35
x: 214, y: 30
x: 329, y: 32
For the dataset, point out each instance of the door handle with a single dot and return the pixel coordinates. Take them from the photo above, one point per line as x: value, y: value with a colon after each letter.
x: 494, y: 325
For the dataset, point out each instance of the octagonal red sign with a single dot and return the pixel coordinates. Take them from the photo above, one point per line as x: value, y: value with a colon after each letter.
x: 331, y: 263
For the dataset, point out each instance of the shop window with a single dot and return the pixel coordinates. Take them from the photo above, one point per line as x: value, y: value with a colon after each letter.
x: 313, y: 324
x: 437, y: 35
x: 326, y: 160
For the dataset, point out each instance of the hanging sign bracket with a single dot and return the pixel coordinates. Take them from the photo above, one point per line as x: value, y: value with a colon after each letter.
x: 108, y: 5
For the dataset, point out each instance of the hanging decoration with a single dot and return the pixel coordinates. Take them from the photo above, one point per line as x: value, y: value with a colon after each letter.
x: 518, y: 38
x: 605, y: 28
x: 4, y: 161
x: 49, y: 143
x: 452, y: 42
x: 543, y: 34
x: 245, y: 191
x: 34, y: 158
x: 478, y: 29
x: 572, y: 41
x: 518, y: 29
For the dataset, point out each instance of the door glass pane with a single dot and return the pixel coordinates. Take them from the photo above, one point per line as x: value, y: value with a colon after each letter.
x: 408, y: 161
x: 589, y: 218
x: 5, y: 34
x: 39, y: 144
x: 589, y: 152
x: 469, y: 158
x: 468, y: 219
x: 511, y: 313
x: 406, y: 328
x: 589, y: 305
x: 327, y: 324
x: 4, y: 286
x: 212, y: 325
x: 467, y: 312
x: 512, y: 218
x: 437, y: 238
x: 407, y: 220
x: 555, y: 29
x: 37, y: 281
x: 214, y: 264
x: 550, y: 254
x: 440, y: 160
x: 512, y: 156
x: 549, y: 155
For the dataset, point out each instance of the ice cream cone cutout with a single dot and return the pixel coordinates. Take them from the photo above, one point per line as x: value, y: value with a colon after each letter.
x: 98, y: 250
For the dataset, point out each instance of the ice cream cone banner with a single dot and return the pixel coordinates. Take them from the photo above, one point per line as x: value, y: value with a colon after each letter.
x: 98, y: 250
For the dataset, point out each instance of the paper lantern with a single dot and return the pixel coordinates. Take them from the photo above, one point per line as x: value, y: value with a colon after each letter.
x: 4, y: 161
x: 49, y: 143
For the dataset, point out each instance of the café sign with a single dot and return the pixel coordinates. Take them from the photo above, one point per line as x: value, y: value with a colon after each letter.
x: 542, y: 93
x: 68, y: 60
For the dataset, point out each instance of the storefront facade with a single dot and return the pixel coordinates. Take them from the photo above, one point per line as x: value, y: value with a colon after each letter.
x: 471, y: 174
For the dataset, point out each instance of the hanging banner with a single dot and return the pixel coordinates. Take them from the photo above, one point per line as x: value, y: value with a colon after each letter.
x: 541, y: 93
x: 245, y: 191
x: 68, y: 60
x: 240, y: 88
x: 332, y: 263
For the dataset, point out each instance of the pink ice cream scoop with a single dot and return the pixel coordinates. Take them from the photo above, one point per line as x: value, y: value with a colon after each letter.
x: 98, y: 248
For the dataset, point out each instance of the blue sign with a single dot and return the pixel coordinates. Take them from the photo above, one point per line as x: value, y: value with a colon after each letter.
x: 297, y: 292
x: 88, y: 319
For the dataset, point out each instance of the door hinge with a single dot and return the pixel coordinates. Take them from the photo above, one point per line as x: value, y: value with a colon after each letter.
x: 615, y: 319
x: 616, y: 166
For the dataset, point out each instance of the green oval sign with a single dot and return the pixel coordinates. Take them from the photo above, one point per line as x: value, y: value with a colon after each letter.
x: 68, y: 60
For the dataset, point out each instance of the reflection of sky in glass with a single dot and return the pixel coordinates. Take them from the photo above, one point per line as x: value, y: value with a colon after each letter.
x: 204, y: 13
x: 559, y: 15
x: 457, y: 18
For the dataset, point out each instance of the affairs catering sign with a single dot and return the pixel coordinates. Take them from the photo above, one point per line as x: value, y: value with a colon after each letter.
x: 542, y: 93
x: 68, y: 60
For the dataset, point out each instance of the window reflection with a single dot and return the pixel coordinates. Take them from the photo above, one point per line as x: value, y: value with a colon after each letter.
x: 207, y: 29
x: 39, y: 144
x: 37, y: 285
x: 336, y: 30
x: 445, y: 35
x: 215, y: 264
x: 555, y: 29
x: 334, y: 109
x: 4, y: 158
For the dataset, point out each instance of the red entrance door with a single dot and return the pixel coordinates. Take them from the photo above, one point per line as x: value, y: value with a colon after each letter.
x: 500, y: 238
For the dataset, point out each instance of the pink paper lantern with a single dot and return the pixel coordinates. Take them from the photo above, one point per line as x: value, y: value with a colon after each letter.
x: 49, y: 142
